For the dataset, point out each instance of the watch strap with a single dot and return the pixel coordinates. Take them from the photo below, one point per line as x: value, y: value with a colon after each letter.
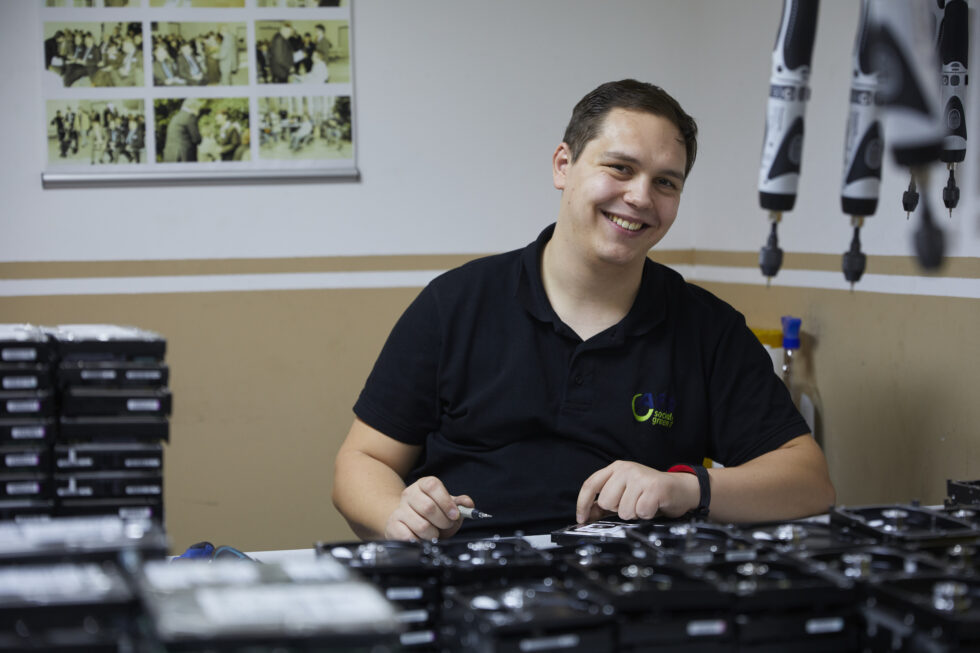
x: 704, y: 485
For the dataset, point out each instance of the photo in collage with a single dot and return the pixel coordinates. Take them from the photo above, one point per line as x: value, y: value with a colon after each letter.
x: 185, y: 85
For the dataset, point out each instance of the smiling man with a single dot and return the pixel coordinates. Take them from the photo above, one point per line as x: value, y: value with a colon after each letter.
x: 576, y: 378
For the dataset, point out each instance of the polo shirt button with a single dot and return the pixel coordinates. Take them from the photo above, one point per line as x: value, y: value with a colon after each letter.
x: 578, y: 380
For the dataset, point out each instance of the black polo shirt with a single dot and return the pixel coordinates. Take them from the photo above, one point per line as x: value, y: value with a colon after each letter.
x: 512, y: 408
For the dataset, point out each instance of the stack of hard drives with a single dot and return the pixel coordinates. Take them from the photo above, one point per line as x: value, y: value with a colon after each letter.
x: 102, y: 584
x: 84, y: 410
x: 114, y: 407
x: 494, y: 594
x: 240, y: 605
x: 407, y: 575
x: 895, y: 577
x: 65, y: 583
x: 695, y: 586
x: 922, y: 585
x: 27, y: 421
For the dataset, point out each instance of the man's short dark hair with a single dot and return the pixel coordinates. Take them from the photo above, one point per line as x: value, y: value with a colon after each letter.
x: 589, y: 114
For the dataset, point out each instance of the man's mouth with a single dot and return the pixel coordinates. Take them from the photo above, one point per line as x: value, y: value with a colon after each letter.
x: 628, y: 225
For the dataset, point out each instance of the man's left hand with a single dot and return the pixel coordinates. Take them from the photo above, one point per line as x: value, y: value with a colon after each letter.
x: 635, y: 491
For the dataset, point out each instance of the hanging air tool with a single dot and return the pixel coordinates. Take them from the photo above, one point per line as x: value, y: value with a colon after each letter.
x: 954, y: 35
x: 782, y: 149
x: 904, y: 57
x: 863, y: 147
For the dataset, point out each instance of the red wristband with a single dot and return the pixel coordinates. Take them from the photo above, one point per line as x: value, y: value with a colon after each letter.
x: 683, y: 468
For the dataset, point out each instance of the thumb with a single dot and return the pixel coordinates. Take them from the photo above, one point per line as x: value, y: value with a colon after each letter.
x: 464, y: 500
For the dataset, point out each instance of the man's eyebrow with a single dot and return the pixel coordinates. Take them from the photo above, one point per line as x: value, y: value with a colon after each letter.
x: 629, y: 158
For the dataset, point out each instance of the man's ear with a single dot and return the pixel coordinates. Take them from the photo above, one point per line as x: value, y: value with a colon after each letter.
x: 560, y: 160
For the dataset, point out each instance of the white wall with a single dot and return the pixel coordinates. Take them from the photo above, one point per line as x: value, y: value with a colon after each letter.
x: 458, y: 108
x: 731, y: 75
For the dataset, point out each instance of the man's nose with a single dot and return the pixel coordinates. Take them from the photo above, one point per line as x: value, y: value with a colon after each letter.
x: 639, y: 193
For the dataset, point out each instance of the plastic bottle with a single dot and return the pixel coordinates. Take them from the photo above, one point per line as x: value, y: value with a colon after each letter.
x: 797, y: 375
x: 772, y: 342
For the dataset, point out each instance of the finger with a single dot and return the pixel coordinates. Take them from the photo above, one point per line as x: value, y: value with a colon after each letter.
x: 612, y: 493
x: 397, y: 530
x: 421, y: 527
x: 627, y: 508
x: 464, y: 500
x: 648, y: 505
x: 587, y: 495
x: 416, y: 497
x: 440, y: 496
x: 596, y: 513
x: 430, y: 511
x: 449, y: 532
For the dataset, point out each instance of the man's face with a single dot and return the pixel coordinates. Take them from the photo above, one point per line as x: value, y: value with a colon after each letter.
x: 621, y: 195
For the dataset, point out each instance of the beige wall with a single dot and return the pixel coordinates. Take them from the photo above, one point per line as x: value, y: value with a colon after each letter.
x: 264, y: 382
x: 263, y: 385
x: 897, y: 375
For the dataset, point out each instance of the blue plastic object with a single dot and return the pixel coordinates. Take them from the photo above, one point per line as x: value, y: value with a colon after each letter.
x: 199, y: 551
x: 791, y: 332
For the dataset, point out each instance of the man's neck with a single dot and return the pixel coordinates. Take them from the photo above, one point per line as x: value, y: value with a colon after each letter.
x: 588, y: 295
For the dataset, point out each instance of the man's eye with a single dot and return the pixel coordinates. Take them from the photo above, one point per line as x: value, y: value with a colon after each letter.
x: 619, y: 167
x: 663, y: 181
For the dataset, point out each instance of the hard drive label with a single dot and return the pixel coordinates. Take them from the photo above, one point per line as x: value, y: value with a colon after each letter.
x: 74, y: 462
x: 142, y: 405
x: 403, y: 593
x: 142, y: 462
x: 144, y: 512
x: 21, y: 460
x: 27, y: 432
x: 819, y: 626
x: 19, y: 382
x: 22, y: 488
x: 100, y: 375
x: 706, y: 627
x: 144, y: 375
x: 75, y: 491
x: 143, y: 489
x: 23, y: 406
x: 548, y: 643
x: 413, y: 616
x: 18, y: 354
x: 417, y: 637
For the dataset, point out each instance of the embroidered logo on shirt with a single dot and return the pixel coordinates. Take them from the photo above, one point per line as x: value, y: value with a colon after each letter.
x: 657, y: 409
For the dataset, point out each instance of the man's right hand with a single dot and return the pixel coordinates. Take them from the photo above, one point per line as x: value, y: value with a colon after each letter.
x: 426, y: 511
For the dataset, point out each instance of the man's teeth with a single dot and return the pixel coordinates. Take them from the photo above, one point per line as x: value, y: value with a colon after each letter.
x: 625, y: 224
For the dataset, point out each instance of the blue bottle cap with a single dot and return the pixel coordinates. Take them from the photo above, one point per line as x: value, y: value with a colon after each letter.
x: 791, y: 332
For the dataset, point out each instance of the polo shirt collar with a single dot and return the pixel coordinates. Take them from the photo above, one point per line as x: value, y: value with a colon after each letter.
x: 648, y: 310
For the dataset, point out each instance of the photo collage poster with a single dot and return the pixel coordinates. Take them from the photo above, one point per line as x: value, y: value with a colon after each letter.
x: 185, y: 88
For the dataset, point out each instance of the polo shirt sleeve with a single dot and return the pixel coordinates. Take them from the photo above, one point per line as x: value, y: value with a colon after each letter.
x: 399, y: 398
x: 752, y: 412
